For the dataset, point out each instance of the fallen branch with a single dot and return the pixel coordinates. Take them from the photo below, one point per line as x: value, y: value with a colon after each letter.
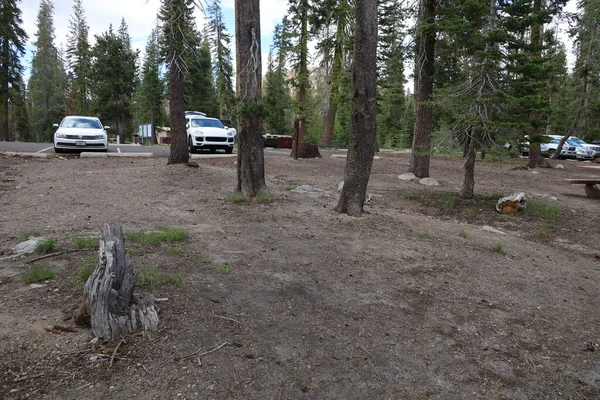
x: 112, y: 359
x: 57, y: 254
x: 198, y: 354
x: 227, y: 318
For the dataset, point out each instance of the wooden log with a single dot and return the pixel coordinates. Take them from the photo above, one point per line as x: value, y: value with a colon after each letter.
x: 109, y: 304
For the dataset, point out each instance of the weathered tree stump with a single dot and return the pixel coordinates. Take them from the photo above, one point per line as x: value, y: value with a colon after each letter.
x: 306, y: 150
x: 109, y: 304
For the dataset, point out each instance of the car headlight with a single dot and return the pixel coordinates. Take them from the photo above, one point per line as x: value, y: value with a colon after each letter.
x: 230, y: 134
x: 61, y: 135
x: 101, y: 137
x: 581, y: 151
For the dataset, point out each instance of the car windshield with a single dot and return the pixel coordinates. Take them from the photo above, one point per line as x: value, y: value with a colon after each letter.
x: 577, y: 140
x: 209, y: 123
x: 84, y: 123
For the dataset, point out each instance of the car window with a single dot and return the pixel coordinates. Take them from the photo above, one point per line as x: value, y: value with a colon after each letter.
x: 83, y: 123
x: 209, y: 123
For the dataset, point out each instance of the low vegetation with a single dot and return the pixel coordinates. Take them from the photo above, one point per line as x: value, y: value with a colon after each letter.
x: 155, y: 237
x: 153, y: 278
x: 45, y: 246
x: 84, y: 242
x: 223, y: 269
x: 38, y: 273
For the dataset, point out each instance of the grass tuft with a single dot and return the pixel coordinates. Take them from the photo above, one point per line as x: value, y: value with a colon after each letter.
x: 205, y: 260
x: 223, y: 269
x: 155, y: 237
x: 173, y: 251
x: 496, y: 248
x: 84, y: 242
x: 236, y: 197
x: 37, y: 273
x: 471, y: 212
x: 463, y: 234
x: 289, y: 187
x: 542, y: 210
x: 423, y: 235
x: 85, y: 271
x: 264, y: 198
x: 256, y: 219
x: 448, y: 200
x: 46, y: 246
x: 409, y: 196
x: 152, y: 278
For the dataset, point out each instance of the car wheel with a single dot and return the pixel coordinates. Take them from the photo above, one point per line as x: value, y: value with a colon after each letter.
x: 550, y: 153
x: 229, y: 150
x: 191, y: 147
x: 58, y: 150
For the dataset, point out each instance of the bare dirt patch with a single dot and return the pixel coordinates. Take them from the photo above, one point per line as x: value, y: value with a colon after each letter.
x: 412, y: 301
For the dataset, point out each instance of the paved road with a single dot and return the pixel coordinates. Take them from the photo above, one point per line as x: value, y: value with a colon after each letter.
x: 160, y: 151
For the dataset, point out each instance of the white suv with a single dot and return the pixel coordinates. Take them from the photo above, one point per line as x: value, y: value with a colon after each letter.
x: 207, y: 133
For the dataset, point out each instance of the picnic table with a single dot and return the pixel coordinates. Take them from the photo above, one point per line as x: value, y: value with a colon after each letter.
x: 591, y: 184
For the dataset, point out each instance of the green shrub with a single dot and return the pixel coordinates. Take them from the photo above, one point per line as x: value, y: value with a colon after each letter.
x: 46, y: 246
x: 84, y: 242
x: 37, y: 273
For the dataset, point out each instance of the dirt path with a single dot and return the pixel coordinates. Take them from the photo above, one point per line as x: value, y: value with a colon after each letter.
x: 412, y: 301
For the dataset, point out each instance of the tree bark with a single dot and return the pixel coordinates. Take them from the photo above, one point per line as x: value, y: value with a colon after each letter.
x: 251, y: 159
x: 468, y: 186
x: 4, y: 134
x: 424, y: 70
x: 179, y: 147
x: 363, y: 114
x: 109, y: 304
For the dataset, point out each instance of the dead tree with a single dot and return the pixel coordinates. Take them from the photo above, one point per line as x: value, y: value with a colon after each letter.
x: 109, y: 304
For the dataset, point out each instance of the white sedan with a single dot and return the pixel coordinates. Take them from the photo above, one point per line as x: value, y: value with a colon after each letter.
x: 80, y: 133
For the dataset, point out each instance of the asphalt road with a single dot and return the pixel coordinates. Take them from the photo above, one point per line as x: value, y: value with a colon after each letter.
x: 159, y: 151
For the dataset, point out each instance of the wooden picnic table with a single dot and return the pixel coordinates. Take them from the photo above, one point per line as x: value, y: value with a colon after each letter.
x: 591, y: 185
x: 589, y: 167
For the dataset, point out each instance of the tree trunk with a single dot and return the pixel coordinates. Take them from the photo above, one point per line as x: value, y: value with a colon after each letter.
x: 4, y: 92
x: 424, y: 70
x: 363, y: 114
x: 109, y: 304
x: 468, y: 186
x: 251, y: 158
x: 179, y: 147
x: 303, y: 77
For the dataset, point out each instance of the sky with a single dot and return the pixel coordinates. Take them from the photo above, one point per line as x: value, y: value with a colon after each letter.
x: 140, y: 16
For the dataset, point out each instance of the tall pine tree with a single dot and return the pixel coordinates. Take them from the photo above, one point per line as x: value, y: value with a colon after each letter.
x: 47, y: 84
x: 12, y: 48
x: 79, y: 60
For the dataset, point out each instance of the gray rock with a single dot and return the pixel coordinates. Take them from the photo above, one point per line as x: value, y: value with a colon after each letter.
x: 429, y: 182
x: 407, y: 177
x: 492, y: 230
x: 559, y: 166
x: 340, y: 186
x: 311, y: 191
x: 22, y: 186
x: 36, y: 286
x: 27, y: 247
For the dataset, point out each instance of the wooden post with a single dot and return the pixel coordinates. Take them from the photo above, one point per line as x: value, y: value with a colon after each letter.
x: 109, y: 304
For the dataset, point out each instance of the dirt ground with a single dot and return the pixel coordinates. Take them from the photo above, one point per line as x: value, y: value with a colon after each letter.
x: 290, y: 300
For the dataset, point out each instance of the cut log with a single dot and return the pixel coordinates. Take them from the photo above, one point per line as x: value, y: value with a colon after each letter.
x: 306, y: 150
x: 109, y: 304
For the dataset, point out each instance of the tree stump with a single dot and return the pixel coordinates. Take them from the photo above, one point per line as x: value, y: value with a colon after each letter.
x: 306, y: 150
x: 109, y: 304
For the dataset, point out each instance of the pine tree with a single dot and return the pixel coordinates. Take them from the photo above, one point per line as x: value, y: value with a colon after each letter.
x: 79, y: 60
x: 251, y: 158
x: 199, y: 89
x: 47, y: 84
x: 114, y: 78
x: 220, y: 46
x: 277, y: 99
x: 19, y: 117
x: 151, y: 91
x: 12, y: 47
x: 176, y: 43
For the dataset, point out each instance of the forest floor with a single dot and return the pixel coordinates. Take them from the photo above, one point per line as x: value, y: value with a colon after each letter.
x: 291, y: 300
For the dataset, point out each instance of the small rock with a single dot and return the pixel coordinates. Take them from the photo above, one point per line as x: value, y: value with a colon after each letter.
x: 559, y: 166
x: 22, y: 186
x: 36, y: 285
x: 429, y: 182
x: 340, y: 186
x: 407, y: 177
x: 193, y: 164
x: 492, y: 230
x: 311, y: 191
x: 339, y: 156
x: 27, y: 247
x: 534, y: 172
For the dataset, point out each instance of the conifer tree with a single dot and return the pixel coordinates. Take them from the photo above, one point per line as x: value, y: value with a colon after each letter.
x: 220, y: 46
x: 12, y: 48
x: 113, y: 82
x: 79, y: 60
x: 47, y: 84
x: 199, y: 91
x: 177, y: 41
x: 151, y: 92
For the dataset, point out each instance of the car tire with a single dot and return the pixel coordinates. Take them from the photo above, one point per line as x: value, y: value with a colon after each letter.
x: 191, y: 147
x: 228, y: 150
x: 58, y: 150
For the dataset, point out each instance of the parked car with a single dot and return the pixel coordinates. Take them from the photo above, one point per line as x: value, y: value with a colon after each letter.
x: 207, y: 133
x: 80, y: 133
x: 583, y: 153
x: 591, y: 146
x: 567, y: 151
